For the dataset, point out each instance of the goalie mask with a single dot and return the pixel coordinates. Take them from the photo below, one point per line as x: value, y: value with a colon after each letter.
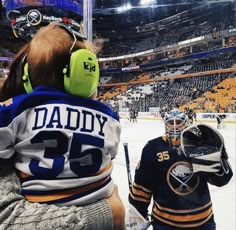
x: 175, y: 122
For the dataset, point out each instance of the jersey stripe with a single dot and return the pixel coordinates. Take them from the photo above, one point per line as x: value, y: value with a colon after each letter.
x: 66, y: 194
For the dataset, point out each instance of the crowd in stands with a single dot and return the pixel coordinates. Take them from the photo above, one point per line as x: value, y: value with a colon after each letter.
x: 221, y: 62
x: 177, y: 92
x: 195, y: 92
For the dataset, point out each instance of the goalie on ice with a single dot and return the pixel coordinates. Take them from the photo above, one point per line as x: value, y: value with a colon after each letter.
x: 174, y: 172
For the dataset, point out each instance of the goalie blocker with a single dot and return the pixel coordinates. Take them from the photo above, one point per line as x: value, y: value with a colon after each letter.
x: 205, y: 146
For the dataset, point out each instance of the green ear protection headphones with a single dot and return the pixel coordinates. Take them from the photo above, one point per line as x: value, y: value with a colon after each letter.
x: 81, y: 74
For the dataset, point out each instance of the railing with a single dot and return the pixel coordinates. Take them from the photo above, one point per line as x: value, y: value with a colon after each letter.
x: 228, y: 70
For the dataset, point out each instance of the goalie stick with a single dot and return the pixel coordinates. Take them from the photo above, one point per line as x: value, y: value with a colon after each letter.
x: 134, y: 220
x: 127, y: 164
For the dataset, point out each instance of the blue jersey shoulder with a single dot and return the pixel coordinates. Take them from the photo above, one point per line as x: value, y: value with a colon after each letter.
x: 44, y: 96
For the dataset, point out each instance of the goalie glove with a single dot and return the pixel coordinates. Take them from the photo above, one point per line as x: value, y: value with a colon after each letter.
x: 134, y: 220
x: 205, y: 146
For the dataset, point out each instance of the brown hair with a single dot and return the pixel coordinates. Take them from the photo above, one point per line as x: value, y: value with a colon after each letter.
x: 46, y: 54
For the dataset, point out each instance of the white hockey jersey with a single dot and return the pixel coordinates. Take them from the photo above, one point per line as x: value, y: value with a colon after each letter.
x: 62, y: 145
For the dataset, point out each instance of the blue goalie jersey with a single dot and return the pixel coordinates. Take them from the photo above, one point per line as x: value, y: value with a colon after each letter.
x: 62, y: 145
x: 181, y: 198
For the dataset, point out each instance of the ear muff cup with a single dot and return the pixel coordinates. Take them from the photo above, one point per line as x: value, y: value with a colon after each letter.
x: 82, y: 77
x: 26, y: 81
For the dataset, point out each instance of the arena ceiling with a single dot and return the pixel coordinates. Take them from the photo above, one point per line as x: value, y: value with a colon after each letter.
x: 147, y: 20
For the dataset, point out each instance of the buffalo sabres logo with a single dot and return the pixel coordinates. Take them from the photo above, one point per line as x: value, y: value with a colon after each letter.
x: 181, y: 179
x: 34, y: 17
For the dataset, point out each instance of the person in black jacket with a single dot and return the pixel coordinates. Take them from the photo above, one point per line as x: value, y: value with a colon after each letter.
x: 178, y: 181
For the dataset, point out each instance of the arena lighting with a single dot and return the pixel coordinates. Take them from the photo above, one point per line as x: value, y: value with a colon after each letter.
x: 147, y: 2
x: 124, y: 8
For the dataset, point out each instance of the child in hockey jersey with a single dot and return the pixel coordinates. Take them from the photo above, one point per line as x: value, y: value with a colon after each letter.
x: 62, y: 140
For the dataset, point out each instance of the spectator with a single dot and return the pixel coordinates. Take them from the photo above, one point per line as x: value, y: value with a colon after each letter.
x: 17, y: 213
